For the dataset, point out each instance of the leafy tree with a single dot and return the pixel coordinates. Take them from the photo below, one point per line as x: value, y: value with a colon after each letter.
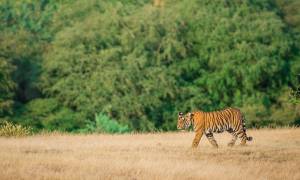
x: 6, y: 87
x: 49, y: 115
x: 103, y: 124
x: 22, y: 42
x: 140, y: 63
x: 295, y: 95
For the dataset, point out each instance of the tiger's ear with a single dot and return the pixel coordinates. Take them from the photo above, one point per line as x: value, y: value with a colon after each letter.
x: 192, y: 114
x: 180, y: 114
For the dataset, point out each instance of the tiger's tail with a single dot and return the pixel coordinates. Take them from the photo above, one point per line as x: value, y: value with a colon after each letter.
x: 248, y: 138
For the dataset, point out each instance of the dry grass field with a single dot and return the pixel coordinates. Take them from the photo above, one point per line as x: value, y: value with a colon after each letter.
x: 273, y: 154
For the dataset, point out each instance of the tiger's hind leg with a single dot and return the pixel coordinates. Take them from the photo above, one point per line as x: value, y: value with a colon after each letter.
x: 243, y: 141
x: 245, y: 138
x: 211, y: 139
x: 242, y: 135
x: 233, y: 139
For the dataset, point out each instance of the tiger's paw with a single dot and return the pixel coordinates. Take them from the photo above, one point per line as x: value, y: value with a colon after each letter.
x: 194, y: 147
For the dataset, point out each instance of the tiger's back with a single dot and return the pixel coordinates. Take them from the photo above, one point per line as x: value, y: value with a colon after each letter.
x: 229, y: 119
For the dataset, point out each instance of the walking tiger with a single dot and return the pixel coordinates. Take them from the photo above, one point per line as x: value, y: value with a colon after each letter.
x: 229, y: 119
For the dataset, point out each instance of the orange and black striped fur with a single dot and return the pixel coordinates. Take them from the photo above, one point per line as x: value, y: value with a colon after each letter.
x: 229, y: 119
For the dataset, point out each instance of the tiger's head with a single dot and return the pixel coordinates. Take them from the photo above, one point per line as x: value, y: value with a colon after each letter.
x: 184, y: 121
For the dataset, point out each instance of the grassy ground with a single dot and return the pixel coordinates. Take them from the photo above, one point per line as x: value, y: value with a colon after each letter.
x: 273, y: 154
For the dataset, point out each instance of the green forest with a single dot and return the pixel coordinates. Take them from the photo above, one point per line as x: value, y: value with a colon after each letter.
x: 132, y: 65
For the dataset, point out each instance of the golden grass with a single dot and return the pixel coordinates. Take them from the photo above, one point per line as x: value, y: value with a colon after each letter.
x: 8, y: 129
x: 273, y: 154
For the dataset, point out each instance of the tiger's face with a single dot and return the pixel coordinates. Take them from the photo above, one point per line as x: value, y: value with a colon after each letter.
x: 184, y: 121
x: 189, y: 118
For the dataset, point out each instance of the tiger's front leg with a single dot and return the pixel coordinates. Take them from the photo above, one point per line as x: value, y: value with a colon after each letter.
x: 211, y: 139
x: 197, y: 138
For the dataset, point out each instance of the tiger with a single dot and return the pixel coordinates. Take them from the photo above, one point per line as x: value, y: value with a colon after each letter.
x: 230, y: 119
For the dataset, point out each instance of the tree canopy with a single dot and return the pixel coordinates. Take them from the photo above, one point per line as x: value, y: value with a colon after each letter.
x: 64, y: 61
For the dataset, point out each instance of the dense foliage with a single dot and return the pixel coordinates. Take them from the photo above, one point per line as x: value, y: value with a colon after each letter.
x: 103, y: 124
x: 61, y: 62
